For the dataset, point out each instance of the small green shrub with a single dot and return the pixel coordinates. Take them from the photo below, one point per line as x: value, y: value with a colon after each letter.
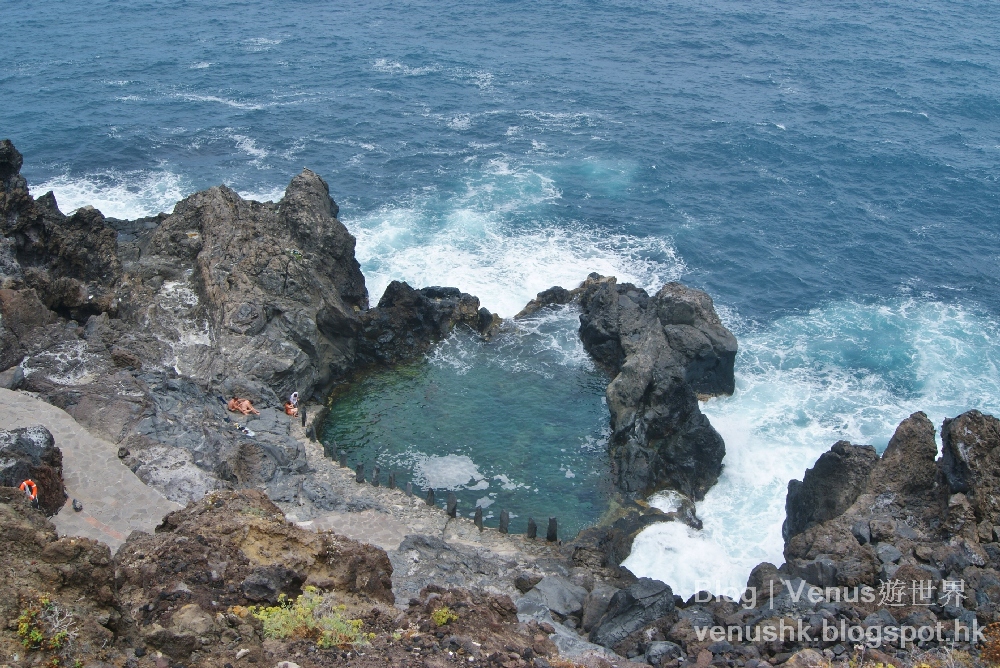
x: 44, y: 626
x: 303, y: 619
x: 443, y: 615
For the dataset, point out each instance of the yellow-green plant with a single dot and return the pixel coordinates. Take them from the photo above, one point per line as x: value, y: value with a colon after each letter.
x: 44, y: 626
x: 443, y: 615
x: 305, y: 619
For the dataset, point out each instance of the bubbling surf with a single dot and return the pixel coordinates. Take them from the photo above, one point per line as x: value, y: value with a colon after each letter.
x: 845, y: 371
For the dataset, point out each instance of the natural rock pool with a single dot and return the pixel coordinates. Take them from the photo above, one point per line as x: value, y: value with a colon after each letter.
x: 516, y: 423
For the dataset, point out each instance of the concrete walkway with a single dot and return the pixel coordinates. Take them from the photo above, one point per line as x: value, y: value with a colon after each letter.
x: 115, y: 502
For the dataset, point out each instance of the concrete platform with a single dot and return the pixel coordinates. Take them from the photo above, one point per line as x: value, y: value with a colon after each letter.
x: 115, y: 502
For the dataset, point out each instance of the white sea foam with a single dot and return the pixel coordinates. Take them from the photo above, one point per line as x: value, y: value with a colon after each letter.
x: 236, y: 104
x: 248, y: 146
x: 846, y: 371
x: 118, y: 194
x: 395, y: 67
x: 448, y: 472
x: 535, y: 344
x: 470, y: 240
x: 503, y: 266
x: 668, y: 501
x: 130, y: 195
x: 257, y: 44
x: 262, y: 195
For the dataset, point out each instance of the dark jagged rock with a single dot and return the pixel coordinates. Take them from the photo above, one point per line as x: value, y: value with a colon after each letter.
x: 914, y: 520
x: 559, y: 595
x: 971, y: 461
x: 21, y: 312
x: 30, y: 453
x: 907, y: 466
x: 554, y: 296
x: 828, y: 488
x: 406, y: 321
x: 664, y: 352
x: 71, y: 261
x: 277, y: 311
x: 632, y: 608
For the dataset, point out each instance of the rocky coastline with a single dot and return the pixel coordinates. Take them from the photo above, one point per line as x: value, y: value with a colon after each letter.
x: 141, y: 329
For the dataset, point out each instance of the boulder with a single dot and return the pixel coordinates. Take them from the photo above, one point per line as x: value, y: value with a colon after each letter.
x: 807, y: 658
x: 632, y: 608
x: 661, y: 651
x: 554, y: 296
x: 829, y: 488
x: 596, y: 605
x: 12, y: 378
x: 526, y: 581
x: 30, y: 453
x: 970, y: 461
x: 559, y: 595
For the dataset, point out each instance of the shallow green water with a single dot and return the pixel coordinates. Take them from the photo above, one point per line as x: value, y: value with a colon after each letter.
x: 517, y: 423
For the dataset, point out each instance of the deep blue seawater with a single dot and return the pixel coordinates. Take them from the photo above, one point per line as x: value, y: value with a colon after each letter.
x: 828, y: 171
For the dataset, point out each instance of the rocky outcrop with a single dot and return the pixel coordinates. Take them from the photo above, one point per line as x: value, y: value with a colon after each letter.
x: 183, y: 594
x: 234, y: 549
x: 138, y: 328
x: 829, y: 488
x: 241, y: 538
x: 407, y: 321
x: 915, y: 519
x: 873, y: 543
x: 71, y: 261
x: 631, y: 609
x: 970, y: 462
x: 31, y: 453
x: 664, y: 353
x: 274, y: 287
x: 901, y: 505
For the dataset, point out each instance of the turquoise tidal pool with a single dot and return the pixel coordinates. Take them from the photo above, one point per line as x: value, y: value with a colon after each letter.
x: 518, y: 423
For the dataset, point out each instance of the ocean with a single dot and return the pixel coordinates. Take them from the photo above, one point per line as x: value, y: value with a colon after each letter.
x: 827, y: 171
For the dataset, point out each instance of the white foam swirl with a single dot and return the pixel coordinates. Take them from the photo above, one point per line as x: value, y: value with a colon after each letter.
x: 846, y: 371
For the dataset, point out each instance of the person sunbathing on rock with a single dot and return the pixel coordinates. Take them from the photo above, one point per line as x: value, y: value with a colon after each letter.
x: 291, y: 409
x: 244, y: 406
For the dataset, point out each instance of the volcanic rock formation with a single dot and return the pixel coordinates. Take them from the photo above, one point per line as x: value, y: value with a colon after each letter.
x: 139, y: 328
x: 182, y: 596
x: 664, y: 353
